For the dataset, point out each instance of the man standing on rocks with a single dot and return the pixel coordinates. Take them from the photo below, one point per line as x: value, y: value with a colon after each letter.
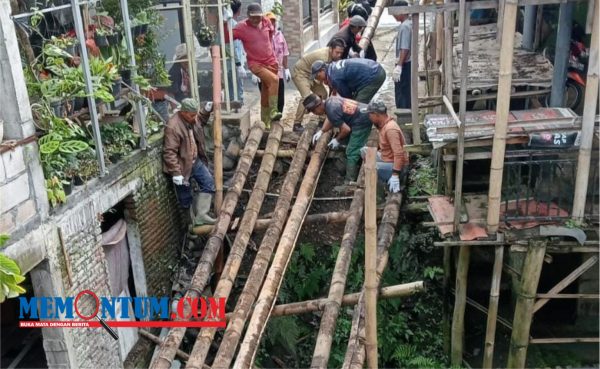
x: 256, y: 34
x: 184, y: 158
x: 304, y: 80
x: 357, y: 79
x: 392, y: 159
x: 351, y: 118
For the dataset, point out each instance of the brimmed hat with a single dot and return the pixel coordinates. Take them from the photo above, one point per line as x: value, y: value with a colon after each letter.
x: 270, y: 15
x: 254, y: 10
x: 357, y: 21
x: 180, y: 52
x: 189, y: 105
x: 376, y: 106
x: 311, y: 102
x: 316, y: 67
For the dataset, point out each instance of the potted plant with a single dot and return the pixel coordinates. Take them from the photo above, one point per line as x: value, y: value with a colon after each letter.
x: 206, y: 36
x: 139, y: 24
x: 101, y: 38
x: 55, y: 191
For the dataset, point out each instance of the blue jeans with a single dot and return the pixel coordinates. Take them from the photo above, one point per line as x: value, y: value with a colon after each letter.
x: 384, y: 171
x: 402, y: 88
x: 203, y: 178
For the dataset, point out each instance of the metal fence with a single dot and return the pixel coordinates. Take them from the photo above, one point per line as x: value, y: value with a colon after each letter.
x: 539, y: 186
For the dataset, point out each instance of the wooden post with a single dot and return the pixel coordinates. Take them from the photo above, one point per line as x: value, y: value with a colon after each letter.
x: 215, y: 242
x: 460, y: 299
x: 287, y: 243
x: 260, y: 264
x: 371, y: 257
x: 502, y: 110
x: 448, y: 46
x: 242, y: 238
x: 587, y: 129
x: 464, y: 20
x: 338, y: 280
x: 446, y: 326
x: 500, y: 25
x: 490, y: 333
x: 217, y: 131
x: 414, y: 80
x: 532, y: 268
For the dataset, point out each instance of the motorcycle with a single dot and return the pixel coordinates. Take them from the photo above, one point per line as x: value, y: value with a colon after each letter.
x: 576, y: 76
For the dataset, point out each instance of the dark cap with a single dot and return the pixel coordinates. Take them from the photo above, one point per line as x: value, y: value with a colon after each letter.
x: 317, y: 66
x: 311, y: 102
x: 357, y: 21
x: 376, y: 106
x: 255, y: 10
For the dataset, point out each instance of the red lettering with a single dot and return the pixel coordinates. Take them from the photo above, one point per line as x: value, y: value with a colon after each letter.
x: 217, y: 308
x: 183, y: 310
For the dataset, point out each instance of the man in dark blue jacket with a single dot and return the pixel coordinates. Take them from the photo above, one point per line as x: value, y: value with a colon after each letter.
x: 357, y: 79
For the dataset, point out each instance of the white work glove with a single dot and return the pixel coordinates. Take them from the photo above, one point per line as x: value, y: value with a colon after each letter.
x: 394, y: 183
x: 333, y: 144
x: 255, y: 79
x: 352, y: 53
x: 316, y: 136
x: 361, y: 54
x: 178, y: 180
x: 287, y: 75
x: 208, y: 107
x: 397, y: 73
x: 241, y: 71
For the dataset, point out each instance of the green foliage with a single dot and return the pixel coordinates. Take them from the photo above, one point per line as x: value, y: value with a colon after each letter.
x: 10, y: 275
x: 342, y: 6
x: 423, y: 179
x: 54, y: 190
x: 277, y: 9
x: 410, y: 332
x: 3, y: 239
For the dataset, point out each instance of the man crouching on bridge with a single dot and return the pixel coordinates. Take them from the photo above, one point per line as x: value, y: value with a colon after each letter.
x: 184, y: 158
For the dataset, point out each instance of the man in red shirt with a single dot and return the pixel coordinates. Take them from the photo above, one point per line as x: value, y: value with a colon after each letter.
x: 256, y: 34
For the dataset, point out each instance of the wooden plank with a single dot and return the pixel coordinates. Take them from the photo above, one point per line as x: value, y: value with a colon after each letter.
x: 565, y: 282
x: 564, y: 340
x: 568, y: 295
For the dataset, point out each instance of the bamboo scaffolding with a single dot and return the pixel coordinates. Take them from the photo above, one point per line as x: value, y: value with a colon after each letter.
x: 338, y: 281
x: 262, y: 224
x: 509, y: 20
x: 460, y: 298
x: 234, y: 260
x: 202, y: 273
x: 255, y: 279
x: 490, y: 333
x: 371, y: 259
x: 266, y: 298
x: 309, y: 306
x: 355, y: 353
x: 587, y: 130
x: 532, y: 268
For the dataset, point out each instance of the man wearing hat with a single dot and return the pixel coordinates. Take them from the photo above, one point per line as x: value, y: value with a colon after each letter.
x: 256, y: 33
x: 184, y: 158
x: 348, y: 33
x: 351, y: 119
x: 357, y: 79
x: 392, y: 160
x: 304, y: 79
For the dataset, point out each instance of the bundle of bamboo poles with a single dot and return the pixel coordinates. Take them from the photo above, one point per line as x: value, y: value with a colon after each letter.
x: 282, y: 257
x: 202, y: 273
x: 256, y: 277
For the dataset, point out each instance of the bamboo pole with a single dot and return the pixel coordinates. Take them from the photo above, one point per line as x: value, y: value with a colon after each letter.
x: 371, y: 258
x: 217, y: 131
x: 355, y: 353
x: 532, y: 268
x: 587, y: 129
x: 255, y: 279
x: 502, y: 110
x: 156, y: 340
x: 448, y: 45
x: 372, y: 23
x: 202, y: 273
x: 266, y: 299
x: 460, y: 297
x: 331, y: 310
x: 414, y: 80
x: 234, y: 260
x: 564, y: 340
x: 490, y: 333
x: 262, y: 224
x: 464, y: 20
x: 385, y: 293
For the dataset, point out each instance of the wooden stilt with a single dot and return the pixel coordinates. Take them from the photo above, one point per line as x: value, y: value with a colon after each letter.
x: 371, y: 258
x: 490, y: 333
x: 458, y: 317
x: 446, y: 303
x: 530, y: 276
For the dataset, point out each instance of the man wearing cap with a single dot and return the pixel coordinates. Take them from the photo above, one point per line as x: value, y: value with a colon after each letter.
x: 256, y: 34
x: 305, y: 81
x: 184, y: 158
x: 357, y: 79
x: 348, y: 33
x: 352, y: 120
x: 402, y: 73
x: 360, y: 10
x: 392, y: 160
